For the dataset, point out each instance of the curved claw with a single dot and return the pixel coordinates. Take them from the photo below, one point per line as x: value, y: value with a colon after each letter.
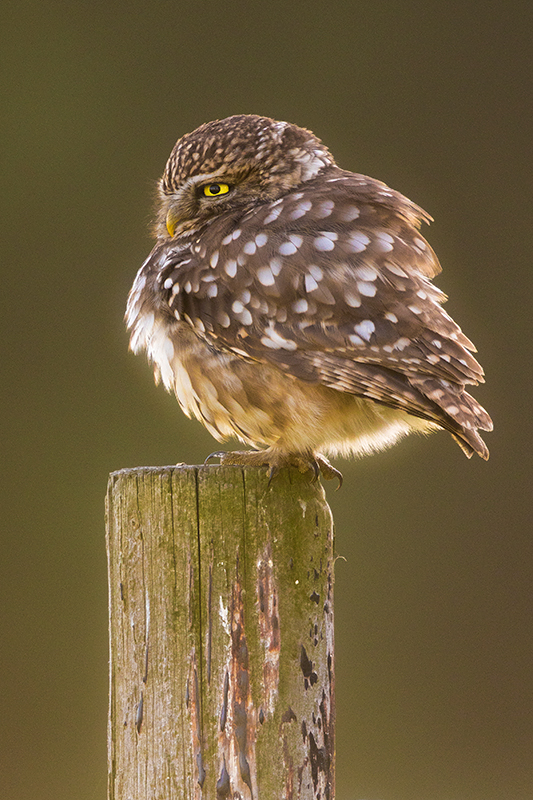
x: 272, y: 472
x: 315, y: 463
x: 216, y: 454
x: 315, y: 466
x: 328, y: 470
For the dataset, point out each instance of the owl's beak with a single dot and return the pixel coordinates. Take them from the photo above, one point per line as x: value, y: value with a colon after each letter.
x: 172, y: 221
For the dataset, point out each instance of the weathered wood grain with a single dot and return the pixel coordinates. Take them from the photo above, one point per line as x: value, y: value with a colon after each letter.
x: 221, y: 635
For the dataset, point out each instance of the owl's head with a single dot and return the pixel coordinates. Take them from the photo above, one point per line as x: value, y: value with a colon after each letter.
x: 234, y: 162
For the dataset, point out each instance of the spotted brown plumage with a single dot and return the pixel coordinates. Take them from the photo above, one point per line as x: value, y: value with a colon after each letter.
x: 289, y: 303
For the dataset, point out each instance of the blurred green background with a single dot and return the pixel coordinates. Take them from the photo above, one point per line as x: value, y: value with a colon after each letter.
x: 434, y: 600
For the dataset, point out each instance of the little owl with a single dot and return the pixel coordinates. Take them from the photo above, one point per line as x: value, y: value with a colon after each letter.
x: 289, y: 303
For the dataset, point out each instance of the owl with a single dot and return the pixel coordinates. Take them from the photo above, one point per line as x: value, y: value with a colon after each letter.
x: 289, y: 303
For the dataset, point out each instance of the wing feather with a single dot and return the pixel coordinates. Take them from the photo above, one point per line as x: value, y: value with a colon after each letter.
x: 332, y: 285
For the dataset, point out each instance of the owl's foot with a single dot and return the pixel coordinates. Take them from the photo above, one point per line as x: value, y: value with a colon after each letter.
x: 327, y: 470
x: 275, y: 460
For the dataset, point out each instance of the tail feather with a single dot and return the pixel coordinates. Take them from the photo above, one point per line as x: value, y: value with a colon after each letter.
x: 463, y: 415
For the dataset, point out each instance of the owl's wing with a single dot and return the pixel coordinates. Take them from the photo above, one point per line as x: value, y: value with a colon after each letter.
x: 332, y: 285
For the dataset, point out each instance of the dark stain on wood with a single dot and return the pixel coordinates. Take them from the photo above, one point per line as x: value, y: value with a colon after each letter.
x: 201, y: 769
x: 196, y: 725
x: 145, y: 676
x: 241, y: 680
x: 306, y: 665
x: 209, y: 617
x: 223, y: 784
x: 288, y: 716
x: 224, y: 709
x: 321, y: 758
x: 139, y: 713
x: 267, y: 601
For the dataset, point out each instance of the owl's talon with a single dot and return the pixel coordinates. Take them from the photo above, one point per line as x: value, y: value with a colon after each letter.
x: 273, y: 471
x: 315, y: 463
x: 217, y: 454
x: 328, y: 470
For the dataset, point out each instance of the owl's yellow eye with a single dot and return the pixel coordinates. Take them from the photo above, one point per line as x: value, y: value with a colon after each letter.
x: 215, y: 189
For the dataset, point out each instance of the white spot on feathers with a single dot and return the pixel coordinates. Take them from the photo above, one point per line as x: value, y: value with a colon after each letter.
x: 316, y: 272
x: 310, y: 283
x: 300, y: 306
x: 287, y: 248
x: 365, y: 329
x: 273, y: 340
x: 301, y: 209
x: 357, y: 242
x: 230, y: 267
x: 265, y: 276
x: 349, y: 213
x: 367, y: 289
x: 323, y: 244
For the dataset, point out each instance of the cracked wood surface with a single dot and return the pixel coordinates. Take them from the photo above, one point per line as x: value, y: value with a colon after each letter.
x: 221, y: 635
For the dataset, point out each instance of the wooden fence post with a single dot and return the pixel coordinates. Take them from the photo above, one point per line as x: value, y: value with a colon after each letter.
x: 221, y: 635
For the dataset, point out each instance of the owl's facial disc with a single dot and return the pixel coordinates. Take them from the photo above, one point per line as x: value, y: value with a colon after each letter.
x: 202, y: 196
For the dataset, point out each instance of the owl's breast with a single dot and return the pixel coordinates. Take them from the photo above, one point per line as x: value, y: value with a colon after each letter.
x: 261, y: 404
